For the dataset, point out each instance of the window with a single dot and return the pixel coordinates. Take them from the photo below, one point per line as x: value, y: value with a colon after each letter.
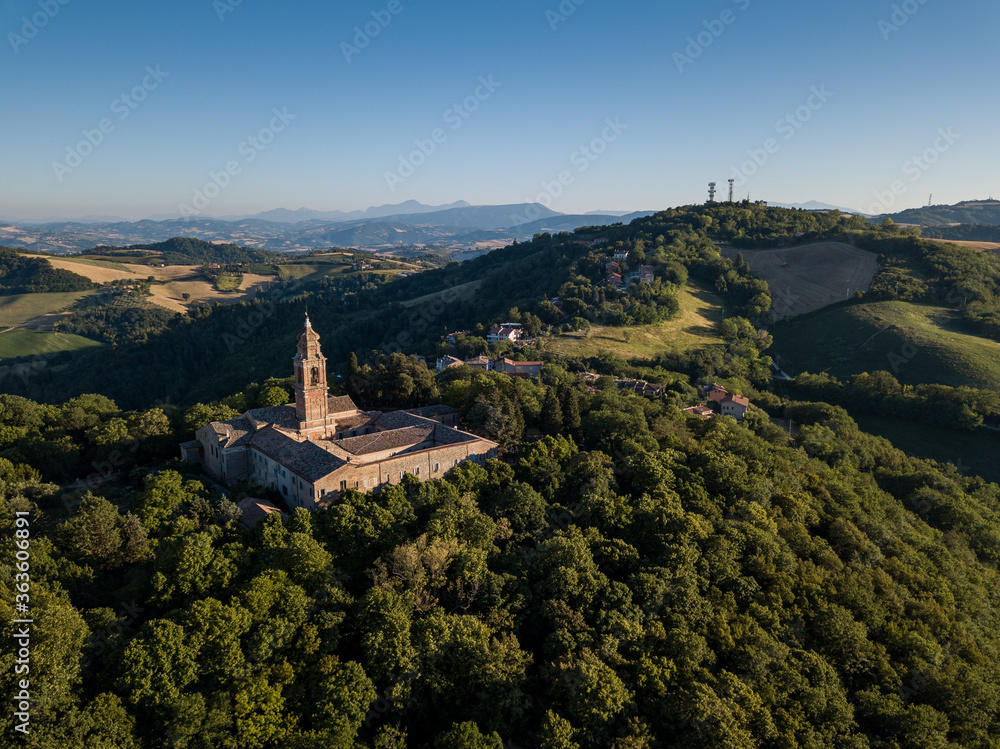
x: 343, y: 486
x: 322, y: 492
x: 437, y: 467
x: 284, y: 490
x: 416, y: 471
x: 401, y: 474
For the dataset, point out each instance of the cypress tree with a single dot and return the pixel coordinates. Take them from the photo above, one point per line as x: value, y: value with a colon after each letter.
x: 552, y: 415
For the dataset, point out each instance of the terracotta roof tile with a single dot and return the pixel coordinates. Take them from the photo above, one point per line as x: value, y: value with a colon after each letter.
x: 378, y: 442
x: 234, y: 432
x: 306, y: 459
x: 429, y: 411
x: 340, y: 404
x: 254, y: 510
x: 284, y: 417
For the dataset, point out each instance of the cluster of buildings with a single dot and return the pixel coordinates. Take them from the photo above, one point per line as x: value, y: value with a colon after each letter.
x: 485, y: 363
x: 313, y: 449
x: 730, y: 404
x: 615, y: 275
x: 509, y: 331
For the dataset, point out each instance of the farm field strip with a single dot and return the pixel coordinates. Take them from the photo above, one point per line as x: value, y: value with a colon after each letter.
x: 22, y: 309
x: 19, y: 342
x: 815, y: 276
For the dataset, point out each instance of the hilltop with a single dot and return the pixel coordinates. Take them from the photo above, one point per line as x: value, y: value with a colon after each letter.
x: 967, y: 212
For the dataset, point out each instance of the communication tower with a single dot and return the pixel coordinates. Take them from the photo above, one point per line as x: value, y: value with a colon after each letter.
x: 732, y: 183
x: 711, y: 192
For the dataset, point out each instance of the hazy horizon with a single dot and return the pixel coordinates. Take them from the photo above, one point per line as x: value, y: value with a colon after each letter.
x: 133, y: 112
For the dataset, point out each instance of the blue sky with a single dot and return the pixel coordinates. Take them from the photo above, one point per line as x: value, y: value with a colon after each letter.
x: 596, y: 105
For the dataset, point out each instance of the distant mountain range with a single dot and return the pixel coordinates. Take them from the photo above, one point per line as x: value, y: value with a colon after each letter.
x: 410, y: 225
x: 456, y: 226
x: 814, y: 205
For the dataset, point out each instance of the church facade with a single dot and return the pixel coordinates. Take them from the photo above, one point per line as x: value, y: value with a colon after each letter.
x: 319, y: 446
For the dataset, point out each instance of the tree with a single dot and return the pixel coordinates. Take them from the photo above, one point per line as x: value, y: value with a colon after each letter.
x: 571, y: 413
x: 552, y: 416
x: 498, y: 418
x: 557, y: 733
x: 259, y: 710
x: 467, y: 736
x: 158, y: 664
x: 163, y: 493
x: 395, y: 381
x: 200, y: 415
x: 272, y: 396
x: 386, y: 642
x: 342, y: 698
x: 637, y: 255
x: 94, y: 534
x: 85, y: 411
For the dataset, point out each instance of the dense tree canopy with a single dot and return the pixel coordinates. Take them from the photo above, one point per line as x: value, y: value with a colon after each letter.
x: 666, y: 581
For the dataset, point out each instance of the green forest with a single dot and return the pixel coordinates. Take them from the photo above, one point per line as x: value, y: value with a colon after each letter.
x: 35, y: 275
x: 639, y: 578
x: 186, y: 251
x: 625, y: 576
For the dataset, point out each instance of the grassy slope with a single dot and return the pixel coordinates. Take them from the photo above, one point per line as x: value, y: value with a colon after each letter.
x: 312, y: 271
x: 20, y: 308
x: 89, y: 261
x: 695, y: 328
x: 978, y: 246
x: 917, y: 343
x: 21, y: 342
x: 464, y: 291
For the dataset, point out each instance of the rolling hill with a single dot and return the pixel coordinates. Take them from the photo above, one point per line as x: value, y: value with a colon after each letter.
x: 916, y: 342
x: 968, y: 212
x: 288, y: 231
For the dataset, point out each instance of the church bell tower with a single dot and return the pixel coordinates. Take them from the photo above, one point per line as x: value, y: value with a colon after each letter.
x: 310, y: 380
